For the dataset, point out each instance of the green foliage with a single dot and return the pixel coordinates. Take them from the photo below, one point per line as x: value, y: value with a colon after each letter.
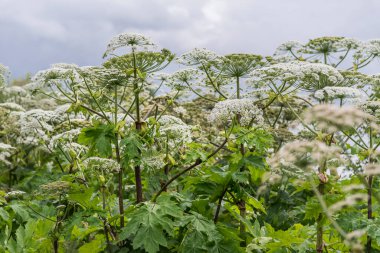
x: 173, y: 174
x: 99, y: 138
x: 149, y: 224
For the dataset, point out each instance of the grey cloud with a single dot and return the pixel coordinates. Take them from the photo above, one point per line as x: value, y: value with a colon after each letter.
x: 35, y: 34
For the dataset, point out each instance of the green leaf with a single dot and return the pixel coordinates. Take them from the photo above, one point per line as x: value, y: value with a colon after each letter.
x: 132, y: 146
x: 85, y: 198
x: 20, y: 210
x: 4, y: 214
x: 312, y: 209
x: 256, y: 204
x: 99, y: 138
x: 149, y: 224
x: 96, y: 245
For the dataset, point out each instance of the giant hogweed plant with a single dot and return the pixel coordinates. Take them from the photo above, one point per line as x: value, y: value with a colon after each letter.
x: 232, y: 153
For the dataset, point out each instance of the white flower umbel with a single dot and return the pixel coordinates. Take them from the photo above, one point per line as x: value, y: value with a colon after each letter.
x: 300, y: 158
x: 349, y: 43
x: 371, y: 107
x: 163, y: 77
x: 372, y: 169
x: 369, y: 48
x: 350, y: 200
x: 183, y: 78
x: 198, y: 56
x: 12, y: 107
x: 14, y: 194
x: 154, y: 161
x: 289, y: 46
x: 333, y: 118
x: 175, y: 130
x: 227, y: 110
x: 180, y: 110
x: 14, y: 91
x: 64, y: 138
x: 331, y: 93
x: 57, y: 73
x: 4, y: 74
x: 105, y: 75
x: 5, y: 147
x: 101, y: 164
x: 5, y: 152
x: 34, y: 125
x: 132, y: 40
x: 310, y: 76
x: 74, y: 149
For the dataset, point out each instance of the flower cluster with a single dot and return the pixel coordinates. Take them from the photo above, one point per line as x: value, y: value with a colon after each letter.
x: 4, y: 74
x: 289, y: 46
x: 240, y: 65
x: 101, y: 164
x: 5, y: 152
x: 104, y: 75
x: 230, y: 109
x: 310, y: 76
x: 34, y: 124
x: 371, y: 107
x: 57, y: 73
x: 64, y: 138
x: 175, y: 130
x: 350, y: 200
x: 14, y: 91
x: 180, y: 110
x: 297, y: 158
x: 133, y: 40
x: 372, y: 169
x: 182, y: 78
x: 12, y: 107
x: 14, y: 195
x: 198, y: 56
x: 333, y: 118
x: 369, y: 49
x: 56, y: 187
x: 330, y: 93
x: 153, y: 161
x: 328, y: 45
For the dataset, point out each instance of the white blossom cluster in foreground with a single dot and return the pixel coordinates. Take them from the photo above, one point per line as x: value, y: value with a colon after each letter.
x: 332, y: 117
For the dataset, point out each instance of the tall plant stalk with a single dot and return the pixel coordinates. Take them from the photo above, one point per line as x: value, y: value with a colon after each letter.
x: 369, y: 193
x: 121, y: 169
x: 241, y: 202
x: 138, y: 123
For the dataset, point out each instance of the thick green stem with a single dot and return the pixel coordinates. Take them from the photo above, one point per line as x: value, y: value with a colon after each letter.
x: 105, y: 221
x: 243, y: 213
x: 120, y: 174
x: 216, y: 216
x: 369, y: 211
x: 319, y: 243
x: 195, y: 164
x: 138, y: 180
x: 241, y: 203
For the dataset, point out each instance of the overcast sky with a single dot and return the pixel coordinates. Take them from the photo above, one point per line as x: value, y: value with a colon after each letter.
x: 37, y: 33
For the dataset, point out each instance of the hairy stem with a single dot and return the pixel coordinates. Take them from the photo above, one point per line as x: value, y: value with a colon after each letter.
x: 195, y: 164
x: 216, y: 216
x: 369, y: 211
x: 319, y: 243
x: 138, y: 180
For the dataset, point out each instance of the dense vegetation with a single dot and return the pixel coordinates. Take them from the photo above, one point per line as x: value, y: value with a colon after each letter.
x: 232, y: 153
